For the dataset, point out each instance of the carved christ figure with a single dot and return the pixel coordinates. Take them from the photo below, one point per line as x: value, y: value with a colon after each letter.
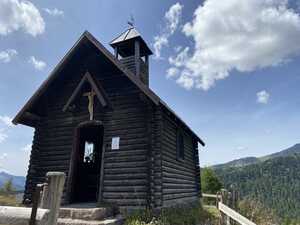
x: 90, y: 96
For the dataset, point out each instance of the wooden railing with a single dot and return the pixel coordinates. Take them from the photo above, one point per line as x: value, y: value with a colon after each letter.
x: 35, y: 203
x: 229, y: 216
x: 233, y: 215
x: 45, y: 204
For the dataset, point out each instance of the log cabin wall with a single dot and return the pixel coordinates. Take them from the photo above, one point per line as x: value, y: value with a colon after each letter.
x: 129, y: 63
x: 145, y: 170
x: 126, y: 171
x: 155, y: 165
x: 180, y: 177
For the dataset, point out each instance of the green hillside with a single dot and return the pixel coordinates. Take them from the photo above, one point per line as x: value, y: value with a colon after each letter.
x: 275, y: 181
x: 251, y: 160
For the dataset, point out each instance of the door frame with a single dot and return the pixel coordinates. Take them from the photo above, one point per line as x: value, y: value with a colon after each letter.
x: 74, y: 159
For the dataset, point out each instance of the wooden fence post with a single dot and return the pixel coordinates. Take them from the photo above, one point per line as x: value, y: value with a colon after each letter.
x: 52, y: 194
x: 224, y: 199
x: 35, y: 204
x: 233, y: 200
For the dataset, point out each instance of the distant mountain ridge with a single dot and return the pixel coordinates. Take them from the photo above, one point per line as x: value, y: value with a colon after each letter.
x: 295, y: 149
x: 17, y: 181
x: 273, y: 179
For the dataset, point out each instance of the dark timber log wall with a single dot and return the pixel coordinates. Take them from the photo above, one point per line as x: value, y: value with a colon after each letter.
x: 145, y: 170
x: 180, y: 177
x: 126, y: 171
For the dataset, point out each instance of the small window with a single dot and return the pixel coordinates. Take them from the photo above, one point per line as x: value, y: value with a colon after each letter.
x: 89, y: 150
x: 180, y: 145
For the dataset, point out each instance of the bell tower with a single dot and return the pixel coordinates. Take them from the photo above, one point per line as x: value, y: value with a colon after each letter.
x: 133, y: 52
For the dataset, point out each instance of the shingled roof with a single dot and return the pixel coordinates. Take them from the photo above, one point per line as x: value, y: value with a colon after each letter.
x: 129, y: 35
x: 126, y: 35
x: 87, y: 36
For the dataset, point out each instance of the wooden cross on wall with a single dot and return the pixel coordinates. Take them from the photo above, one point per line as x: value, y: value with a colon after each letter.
x: 90, y: 95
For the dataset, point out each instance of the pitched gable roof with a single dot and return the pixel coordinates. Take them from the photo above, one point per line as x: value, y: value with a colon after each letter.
x: 126, y: 35
x: 134, y: 79
x: 129, y: 36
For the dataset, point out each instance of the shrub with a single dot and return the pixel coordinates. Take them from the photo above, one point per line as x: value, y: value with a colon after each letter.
x: 172, y: 216
x: 257, y: 212
x: 210, y: 183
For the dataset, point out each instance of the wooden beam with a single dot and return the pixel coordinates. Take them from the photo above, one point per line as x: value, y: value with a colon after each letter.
x: 98, y: 89
x: 137, y: 56
x: 234, y: 215
x: 100, y: 93
x: 32, y: 116
x: 74, y: 94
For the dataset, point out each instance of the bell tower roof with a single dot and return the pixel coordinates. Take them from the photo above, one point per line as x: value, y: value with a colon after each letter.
x: 125, y: 42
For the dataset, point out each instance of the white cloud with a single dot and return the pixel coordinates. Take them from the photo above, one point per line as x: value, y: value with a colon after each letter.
x: 172, y: 72
x: 6, y: 120
x: 185, y: 81
x: 172, y: 19
x: 3, y: 136
x: 262, y: 97
x: 177, y: 48
x: 20, y: 15
x: 26, y: 148
x: 236, y: 35
x: 38, y: 64
x: 7, y: 55
x: 54, y: 12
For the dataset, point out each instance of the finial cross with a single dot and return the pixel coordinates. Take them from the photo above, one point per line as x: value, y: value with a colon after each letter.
x: 131, y: 21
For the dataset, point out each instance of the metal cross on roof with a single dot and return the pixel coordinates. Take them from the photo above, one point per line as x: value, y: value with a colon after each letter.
x: 131, y: 21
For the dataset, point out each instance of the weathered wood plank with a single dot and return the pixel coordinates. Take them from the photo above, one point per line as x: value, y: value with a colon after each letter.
x: 234, y: 215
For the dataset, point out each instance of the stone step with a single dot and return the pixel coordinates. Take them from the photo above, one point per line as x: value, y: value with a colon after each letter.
x: 85, y: 213
x: 118, y: 220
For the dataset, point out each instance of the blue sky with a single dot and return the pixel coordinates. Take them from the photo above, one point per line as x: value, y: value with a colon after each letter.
x: 234, y: 78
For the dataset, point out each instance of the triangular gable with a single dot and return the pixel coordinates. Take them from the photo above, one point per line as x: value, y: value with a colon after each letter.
x: 54, y: 74
x: 87, y: 36
x: 96, y: 86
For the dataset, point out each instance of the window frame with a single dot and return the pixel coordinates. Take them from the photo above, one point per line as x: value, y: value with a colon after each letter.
x: 180, y: 151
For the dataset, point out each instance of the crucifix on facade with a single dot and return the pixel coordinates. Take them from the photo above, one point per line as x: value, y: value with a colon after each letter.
x: 90, y: 95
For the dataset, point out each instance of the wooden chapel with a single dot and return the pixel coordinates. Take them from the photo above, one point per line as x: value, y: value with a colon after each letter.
x: 97, y: 120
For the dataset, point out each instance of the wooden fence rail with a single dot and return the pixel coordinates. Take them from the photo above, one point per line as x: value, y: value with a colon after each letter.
x: 228, y: 215
x: 48, y: 211
x: 209, y: 196
x: 234, y: 215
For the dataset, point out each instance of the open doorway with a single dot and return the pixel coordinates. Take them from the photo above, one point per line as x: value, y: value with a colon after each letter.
x: 87, y: 163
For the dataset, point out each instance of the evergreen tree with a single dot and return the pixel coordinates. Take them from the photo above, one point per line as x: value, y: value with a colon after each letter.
x: 8, y: 187
x: 210, y: 183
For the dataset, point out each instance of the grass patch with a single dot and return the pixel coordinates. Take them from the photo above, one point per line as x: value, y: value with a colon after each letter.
x: 8, y: 200
x: 173, y: 216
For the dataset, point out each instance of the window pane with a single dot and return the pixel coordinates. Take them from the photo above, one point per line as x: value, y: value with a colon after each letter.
x: 89, y: 149
x: 180, y: 145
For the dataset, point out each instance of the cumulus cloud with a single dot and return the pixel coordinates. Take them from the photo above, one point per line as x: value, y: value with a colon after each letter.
x: 172, y: 72
x: 172, y: 19
x: 20, y: 15
x: 7, y: 55
x: 6, y: 120
x: 236, y: 35
x: 54, y: 12
x: 262, y: 97
x: 38, y: 64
